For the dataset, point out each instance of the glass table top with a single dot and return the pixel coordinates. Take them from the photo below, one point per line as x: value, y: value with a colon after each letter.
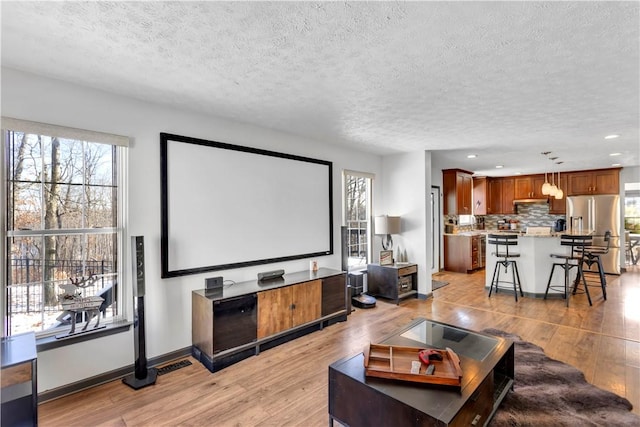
x: 426, y: 333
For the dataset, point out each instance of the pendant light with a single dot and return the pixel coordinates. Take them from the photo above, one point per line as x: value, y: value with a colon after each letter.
x: 546, y: 186
x: 559, y: 194
x: 553, y: 189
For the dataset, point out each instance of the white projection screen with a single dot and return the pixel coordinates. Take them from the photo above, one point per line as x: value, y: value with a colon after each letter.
x: 226, y: 206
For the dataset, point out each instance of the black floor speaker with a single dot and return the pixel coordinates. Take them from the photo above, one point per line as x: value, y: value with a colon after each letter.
x: 344, y: 248
x: 142, y: 375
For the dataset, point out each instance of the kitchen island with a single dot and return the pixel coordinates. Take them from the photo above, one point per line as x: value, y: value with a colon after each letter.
x: 534, y: 263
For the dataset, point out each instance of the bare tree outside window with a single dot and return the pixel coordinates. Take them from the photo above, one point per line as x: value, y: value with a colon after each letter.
x: 357, y: 217
x: 61, y: 226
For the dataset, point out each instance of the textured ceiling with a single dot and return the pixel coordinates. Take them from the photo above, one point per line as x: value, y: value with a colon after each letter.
x: 504, y: 80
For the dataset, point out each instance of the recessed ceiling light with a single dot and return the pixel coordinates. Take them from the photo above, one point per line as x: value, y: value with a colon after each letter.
x: 615, y: 164
x: 518, y: 173
x: 611, y: 136
x: 499, y: 167
x: 615, y: 154
x: 472, y: 156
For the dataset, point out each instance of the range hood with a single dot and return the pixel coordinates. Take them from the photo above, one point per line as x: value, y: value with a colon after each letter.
x: 530, y: 201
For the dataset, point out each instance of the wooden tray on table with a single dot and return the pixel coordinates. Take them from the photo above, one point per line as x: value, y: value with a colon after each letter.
x: 394, y: 362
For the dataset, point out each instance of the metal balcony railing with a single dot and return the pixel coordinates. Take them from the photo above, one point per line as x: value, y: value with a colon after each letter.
x: 25, y: 291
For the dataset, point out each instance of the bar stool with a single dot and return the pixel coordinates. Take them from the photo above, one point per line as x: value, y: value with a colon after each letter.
x: 572, y: 259
x: 631, y: 242
x: 502, y: 243
x: 592, y: 256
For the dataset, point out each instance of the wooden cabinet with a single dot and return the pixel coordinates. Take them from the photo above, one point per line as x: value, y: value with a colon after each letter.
x: 234, y: 323
x: 19, y: 372
x: 529, y: 187
x: 307, y: 302
x: 494, y: 196
x: 479, y: 196
x: 462, y: 253
x: 508, y: 195
x: 537, y: 181
x: 464, y: 200
x: 522, y: 187
x: 500, y: 194
x: 284, y: 308
x: 457, y: 187
x: 274, y: 311
x: 334, y: 294
x: 600, y: 181
x: 559, y: 206
x: 394, y: 282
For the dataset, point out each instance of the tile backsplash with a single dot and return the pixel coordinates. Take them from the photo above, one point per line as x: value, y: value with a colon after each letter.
x: 529, y: 215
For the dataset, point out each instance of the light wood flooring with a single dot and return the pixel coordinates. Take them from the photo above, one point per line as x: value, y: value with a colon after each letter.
x: 287, y: 385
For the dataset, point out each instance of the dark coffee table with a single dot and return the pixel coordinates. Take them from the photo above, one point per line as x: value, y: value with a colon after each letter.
x: 487, y: 376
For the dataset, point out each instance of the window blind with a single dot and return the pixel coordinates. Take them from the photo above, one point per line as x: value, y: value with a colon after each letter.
x: 37, y: 128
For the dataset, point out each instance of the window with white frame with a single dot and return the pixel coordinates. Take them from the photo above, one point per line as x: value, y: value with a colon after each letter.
x: 357, y: 217
x: 632, y: 207
x: 63, y: 205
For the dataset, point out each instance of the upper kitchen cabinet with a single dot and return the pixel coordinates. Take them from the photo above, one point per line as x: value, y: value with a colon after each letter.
x: 480, y: 196
x: 500, y: 195
x: 529, y: 187
x: 508, y: 195
x: 600, y: 181
x: 457, y: 185
x: 559, y: 206
x: 494, y: 196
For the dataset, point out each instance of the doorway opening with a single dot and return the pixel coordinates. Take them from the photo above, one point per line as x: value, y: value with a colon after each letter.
x: 436, y: 230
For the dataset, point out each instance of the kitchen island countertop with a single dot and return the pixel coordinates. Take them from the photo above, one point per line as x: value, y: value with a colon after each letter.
x: 534, y: 263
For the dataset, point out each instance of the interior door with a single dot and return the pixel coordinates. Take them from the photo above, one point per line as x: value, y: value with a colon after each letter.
x: 436, y: 229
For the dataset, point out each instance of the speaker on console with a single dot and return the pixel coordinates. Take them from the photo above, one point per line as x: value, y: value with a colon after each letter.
x: 213, y: 283
x: 142, y: 376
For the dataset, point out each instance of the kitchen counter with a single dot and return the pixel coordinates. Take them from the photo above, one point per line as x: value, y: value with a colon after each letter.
x: 534, y: 264
x: 520, y: 233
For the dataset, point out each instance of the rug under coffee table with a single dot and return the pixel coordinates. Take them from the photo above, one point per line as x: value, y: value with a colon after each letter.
x: 488, y: 370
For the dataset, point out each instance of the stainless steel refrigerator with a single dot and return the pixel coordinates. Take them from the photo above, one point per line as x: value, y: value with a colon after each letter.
x: 598, y: 214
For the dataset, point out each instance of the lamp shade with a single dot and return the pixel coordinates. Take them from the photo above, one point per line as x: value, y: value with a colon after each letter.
x: 387, y: 224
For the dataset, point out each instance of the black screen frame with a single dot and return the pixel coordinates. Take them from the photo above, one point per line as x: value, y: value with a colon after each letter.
x: 165, y: 238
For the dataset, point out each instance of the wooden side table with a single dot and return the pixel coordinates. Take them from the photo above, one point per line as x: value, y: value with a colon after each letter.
x: 393, y: 281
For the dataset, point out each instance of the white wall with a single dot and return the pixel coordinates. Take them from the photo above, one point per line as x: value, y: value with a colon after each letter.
x: 406, y: 187
x: 167, y: 301
x: 630, y: 174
